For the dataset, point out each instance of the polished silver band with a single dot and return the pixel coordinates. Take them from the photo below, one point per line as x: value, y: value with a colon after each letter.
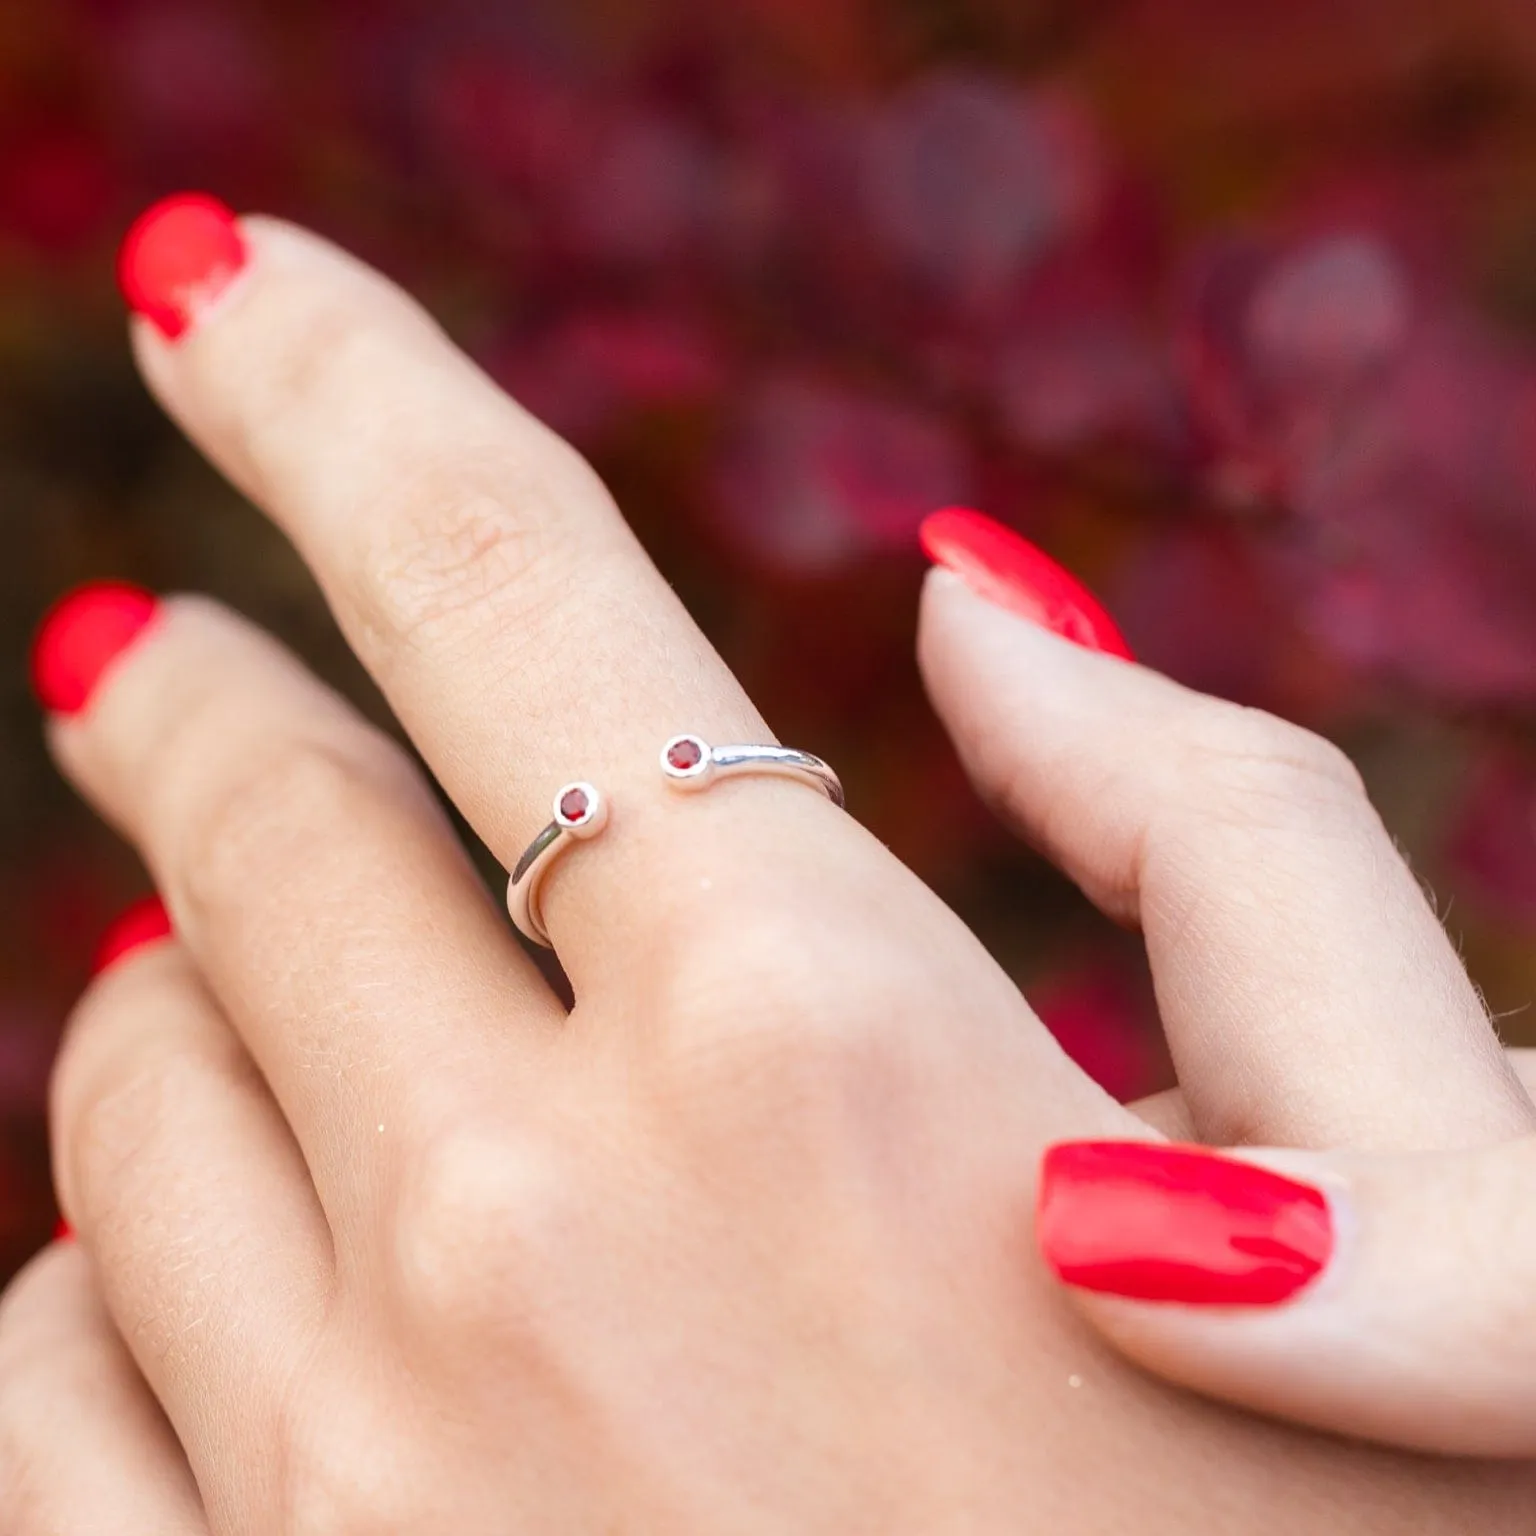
x: 689, y: 763
x: 580, y: 812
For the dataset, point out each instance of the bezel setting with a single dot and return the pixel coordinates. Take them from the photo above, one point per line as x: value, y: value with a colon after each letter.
x: 694, y: 775
x: 587, y: 822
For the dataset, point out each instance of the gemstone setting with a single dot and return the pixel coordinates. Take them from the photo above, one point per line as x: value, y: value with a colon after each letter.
x: 580, y: 810
x: 688, y: 761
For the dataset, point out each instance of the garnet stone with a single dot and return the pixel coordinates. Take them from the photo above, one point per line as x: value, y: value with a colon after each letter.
x: 575, y: 806
x: 685, y: 755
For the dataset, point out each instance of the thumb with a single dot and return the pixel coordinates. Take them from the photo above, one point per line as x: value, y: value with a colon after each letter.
x: 1392, y: 1298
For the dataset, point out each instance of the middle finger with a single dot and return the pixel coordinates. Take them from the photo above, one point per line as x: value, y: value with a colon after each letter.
x: 314, y: 879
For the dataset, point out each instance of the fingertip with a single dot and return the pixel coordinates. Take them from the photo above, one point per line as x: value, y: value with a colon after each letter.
x: 81, y: 636
x: 145, y: 922
x: 177, y: 258
x: 1005, y: 569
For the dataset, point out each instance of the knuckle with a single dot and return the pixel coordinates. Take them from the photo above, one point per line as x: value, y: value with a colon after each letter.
x: 1254, y: 766
x: 138, y: 1051
x: 119, y: 1123
x: 758, y: 984
x: 769, y: 1020
x: 452, y: 541
x: 263, y: 812
x: 476, y: 1236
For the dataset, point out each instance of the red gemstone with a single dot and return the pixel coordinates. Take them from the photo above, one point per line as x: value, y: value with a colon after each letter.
x: 575, y: 806
x: 685, y: 754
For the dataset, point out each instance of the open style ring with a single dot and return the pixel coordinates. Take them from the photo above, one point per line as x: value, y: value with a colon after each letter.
x: 689, y: 762
x: 580, y: 812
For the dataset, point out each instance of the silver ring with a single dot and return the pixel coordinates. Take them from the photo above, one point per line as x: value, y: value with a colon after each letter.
x: 690, y: 763
x: 580, y: 812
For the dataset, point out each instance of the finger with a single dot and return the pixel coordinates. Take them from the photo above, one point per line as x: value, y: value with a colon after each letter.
x: 482, y: 574
x: 1387, y: 1297
x: 1168, y: 1114
x: 84, y: 1447
x: 312, y: 875
x: 185, y: 1187
x: 1309, y: 994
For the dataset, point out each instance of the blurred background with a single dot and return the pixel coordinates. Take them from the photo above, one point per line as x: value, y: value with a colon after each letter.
x: 1230, y: 306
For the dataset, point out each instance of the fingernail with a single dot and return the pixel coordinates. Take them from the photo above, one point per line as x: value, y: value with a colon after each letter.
x: 1164, y: 1223
x: 999, y: 565
x: 177, y: 258
x: 145, y: 922
x: 80, y: 637
x: 63, y: 1232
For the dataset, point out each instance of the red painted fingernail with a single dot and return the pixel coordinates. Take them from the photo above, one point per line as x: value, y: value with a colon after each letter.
x: 63, y: 1232
x: 177, y: 258
x: 998, y: 564
x: 80, y: 637
x: 145, y: 922
x: 1163, y: 1223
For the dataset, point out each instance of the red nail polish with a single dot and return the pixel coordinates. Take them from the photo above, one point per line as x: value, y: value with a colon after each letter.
x: 79, y: 638
x: 63, y: 1232
x: 145, y: 922
x: 1165, y: 1223
x: 1006, y: 569
x: 177, y: 258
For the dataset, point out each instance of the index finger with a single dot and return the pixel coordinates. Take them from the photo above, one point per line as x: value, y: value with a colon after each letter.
x: 475, y: 562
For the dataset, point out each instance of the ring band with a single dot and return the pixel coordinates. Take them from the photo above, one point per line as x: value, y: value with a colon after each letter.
x: 689, y: 763
x: 580, y: 812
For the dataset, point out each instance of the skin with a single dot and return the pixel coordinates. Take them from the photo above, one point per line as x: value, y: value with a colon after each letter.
x: 374, y: 1237
x: 1419, y: 1332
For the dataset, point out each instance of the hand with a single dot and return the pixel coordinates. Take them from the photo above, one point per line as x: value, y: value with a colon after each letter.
x: 741, y: 1243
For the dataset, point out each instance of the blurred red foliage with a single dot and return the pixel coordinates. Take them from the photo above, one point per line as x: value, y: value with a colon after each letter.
x: 1229, y: 305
